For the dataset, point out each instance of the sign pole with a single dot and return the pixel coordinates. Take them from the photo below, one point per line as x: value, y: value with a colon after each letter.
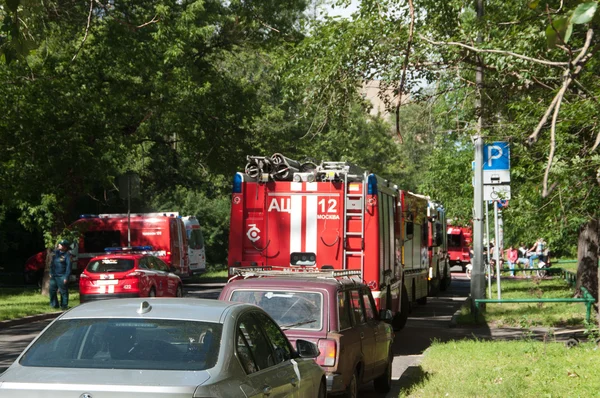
x: 497, y: 248
x: 487, y: 237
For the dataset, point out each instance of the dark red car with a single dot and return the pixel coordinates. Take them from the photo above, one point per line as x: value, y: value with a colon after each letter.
x: 336, y: 313
x: 121, y: 274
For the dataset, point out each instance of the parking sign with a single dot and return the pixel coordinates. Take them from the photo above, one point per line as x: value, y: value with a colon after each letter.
x: 496, y: 156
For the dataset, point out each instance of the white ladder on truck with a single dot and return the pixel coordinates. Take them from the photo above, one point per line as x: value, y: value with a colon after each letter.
x: 354, y: 207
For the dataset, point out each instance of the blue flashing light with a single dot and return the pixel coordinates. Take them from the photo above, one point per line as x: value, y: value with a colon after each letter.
x: 88, y: 216
x: 127, y: 249
x: 237, y: 183
x: 372, y: 184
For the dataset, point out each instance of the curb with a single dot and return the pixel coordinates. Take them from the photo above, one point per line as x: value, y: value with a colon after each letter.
x: 33, y: 318
x: 453, y: 321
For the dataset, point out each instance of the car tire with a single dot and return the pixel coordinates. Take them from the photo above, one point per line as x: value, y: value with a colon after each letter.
x: 401, y: 316
x: 179, y: 292
x: 322, y: 390
x: 383, y: 383
x: 152, y: 293
x: 352, y: 388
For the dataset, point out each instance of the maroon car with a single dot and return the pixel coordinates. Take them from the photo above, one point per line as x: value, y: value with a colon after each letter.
x: 336, y: 313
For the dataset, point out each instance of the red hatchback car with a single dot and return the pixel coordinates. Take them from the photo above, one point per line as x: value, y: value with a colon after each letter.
x: 120, y: 275
x: 336, y: 313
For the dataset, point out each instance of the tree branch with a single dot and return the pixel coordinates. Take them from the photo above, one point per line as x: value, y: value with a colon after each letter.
x: 403, y: 78
x: 501, y: 52
x: 87, y: 30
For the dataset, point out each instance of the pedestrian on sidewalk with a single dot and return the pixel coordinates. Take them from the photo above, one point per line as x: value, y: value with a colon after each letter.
x: 60, y: 270
x: 512, y: 255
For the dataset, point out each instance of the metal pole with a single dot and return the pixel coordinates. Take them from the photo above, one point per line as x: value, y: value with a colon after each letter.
x: 487, y: 237
x: 128, y: 210
x: 497, y: 248
x: 478, y: 274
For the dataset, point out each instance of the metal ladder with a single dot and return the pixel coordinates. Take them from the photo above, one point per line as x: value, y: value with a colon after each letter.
x: 354, y: 206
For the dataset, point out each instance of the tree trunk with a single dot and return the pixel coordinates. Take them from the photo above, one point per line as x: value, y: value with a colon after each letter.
x: 587, y: 258
x: 46, y: 278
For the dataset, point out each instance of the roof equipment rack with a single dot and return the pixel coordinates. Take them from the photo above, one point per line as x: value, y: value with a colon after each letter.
x: 247, y: 272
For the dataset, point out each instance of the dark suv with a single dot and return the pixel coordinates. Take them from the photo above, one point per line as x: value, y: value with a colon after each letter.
x: 336, y: 313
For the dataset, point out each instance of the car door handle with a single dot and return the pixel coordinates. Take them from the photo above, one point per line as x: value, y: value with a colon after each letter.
x: 267, y: 390
x: 294, y: 382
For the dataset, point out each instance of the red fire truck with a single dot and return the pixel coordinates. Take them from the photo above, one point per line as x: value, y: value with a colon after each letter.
x: 164, y: 232
x: 334, y: 216
x: 459, y: 246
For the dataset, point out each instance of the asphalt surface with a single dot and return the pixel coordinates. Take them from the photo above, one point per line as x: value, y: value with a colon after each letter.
x: 426, y: 323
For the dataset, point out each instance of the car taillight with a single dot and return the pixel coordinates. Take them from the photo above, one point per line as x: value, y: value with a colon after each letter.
x: 133, y: 274
x: 328, y: 353
x: 83, y: 275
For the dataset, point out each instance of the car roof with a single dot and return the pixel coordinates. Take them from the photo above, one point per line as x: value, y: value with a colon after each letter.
x: 295, y: 282
x: 130, y: 256
x: 207, y: 310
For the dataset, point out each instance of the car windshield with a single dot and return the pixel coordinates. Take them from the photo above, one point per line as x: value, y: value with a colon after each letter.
x: 291, y: 310
x: 110, y: 265
x: 149, y: 344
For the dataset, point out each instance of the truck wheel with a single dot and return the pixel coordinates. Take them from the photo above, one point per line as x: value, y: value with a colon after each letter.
x: 445, y: 280
x: 352, y: 389
x: 402, y: 316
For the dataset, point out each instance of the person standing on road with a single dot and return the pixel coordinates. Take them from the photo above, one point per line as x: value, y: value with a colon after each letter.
x: 512, y: 255
x: 60, y: 270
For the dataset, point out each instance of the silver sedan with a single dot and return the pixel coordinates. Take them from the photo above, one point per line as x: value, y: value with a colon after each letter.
x: 164, y: 348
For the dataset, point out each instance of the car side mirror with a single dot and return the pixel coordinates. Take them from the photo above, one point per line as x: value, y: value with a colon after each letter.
x: 386, y: 316
x: 307, y: 349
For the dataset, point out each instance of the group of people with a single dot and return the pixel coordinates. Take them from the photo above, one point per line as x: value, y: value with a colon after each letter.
x: 527, y: 256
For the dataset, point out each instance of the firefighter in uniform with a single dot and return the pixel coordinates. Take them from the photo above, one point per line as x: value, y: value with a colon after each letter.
x: 60, y: 270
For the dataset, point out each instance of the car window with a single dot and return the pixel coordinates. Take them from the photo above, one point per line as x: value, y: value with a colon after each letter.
x: 159, y: 264
x: 357, y: 310
x: 343, y: 311
x: 107, y: 343
x: 369, y: 307
x: 110, y: 265
x: 290, y: 309
x: 256, y: 341
x: 244, y: 352
x: 278, y: 340
x: 143, y: 263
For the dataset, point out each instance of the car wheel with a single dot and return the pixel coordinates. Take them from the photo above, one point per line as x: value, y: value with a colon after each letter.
x: 322, y: 390
x: 383, y: 383
x: 352, y: 389
x: 152, y: 293
x: 179, y: 292
x: 401, y: 316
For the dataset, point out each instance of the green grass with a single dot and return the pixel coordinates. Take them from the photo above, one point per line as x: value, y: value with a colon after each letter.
x: 21, y: 302
x: 529, y: 314
x: 213, y: 274
x: 506, y: 369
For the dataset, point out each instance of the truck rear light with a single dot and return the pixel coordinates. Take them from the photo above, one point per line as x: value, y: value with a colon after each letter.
x: 328, y: 349
x: 372, y: 184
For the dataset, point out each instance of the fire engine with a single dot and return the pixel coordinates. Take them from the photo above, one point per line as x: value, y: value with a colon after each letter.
x: 336, y: 216
x: 459, y: 246
x: 164, y: 232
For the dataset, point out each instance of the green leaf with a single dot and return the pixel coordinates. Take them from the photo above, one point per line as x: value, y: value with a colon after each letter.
x: 533, y: 4
x: 563, y: 27
x: 584, y: 13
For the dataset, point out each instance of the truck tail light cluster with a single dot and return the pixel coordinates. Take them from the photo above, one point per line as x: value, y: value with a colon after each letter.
x: 328, y: 353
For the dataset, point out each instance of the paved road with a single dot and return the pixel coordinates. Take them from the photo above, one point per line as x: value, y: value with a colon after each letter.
x: 425, y: 323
